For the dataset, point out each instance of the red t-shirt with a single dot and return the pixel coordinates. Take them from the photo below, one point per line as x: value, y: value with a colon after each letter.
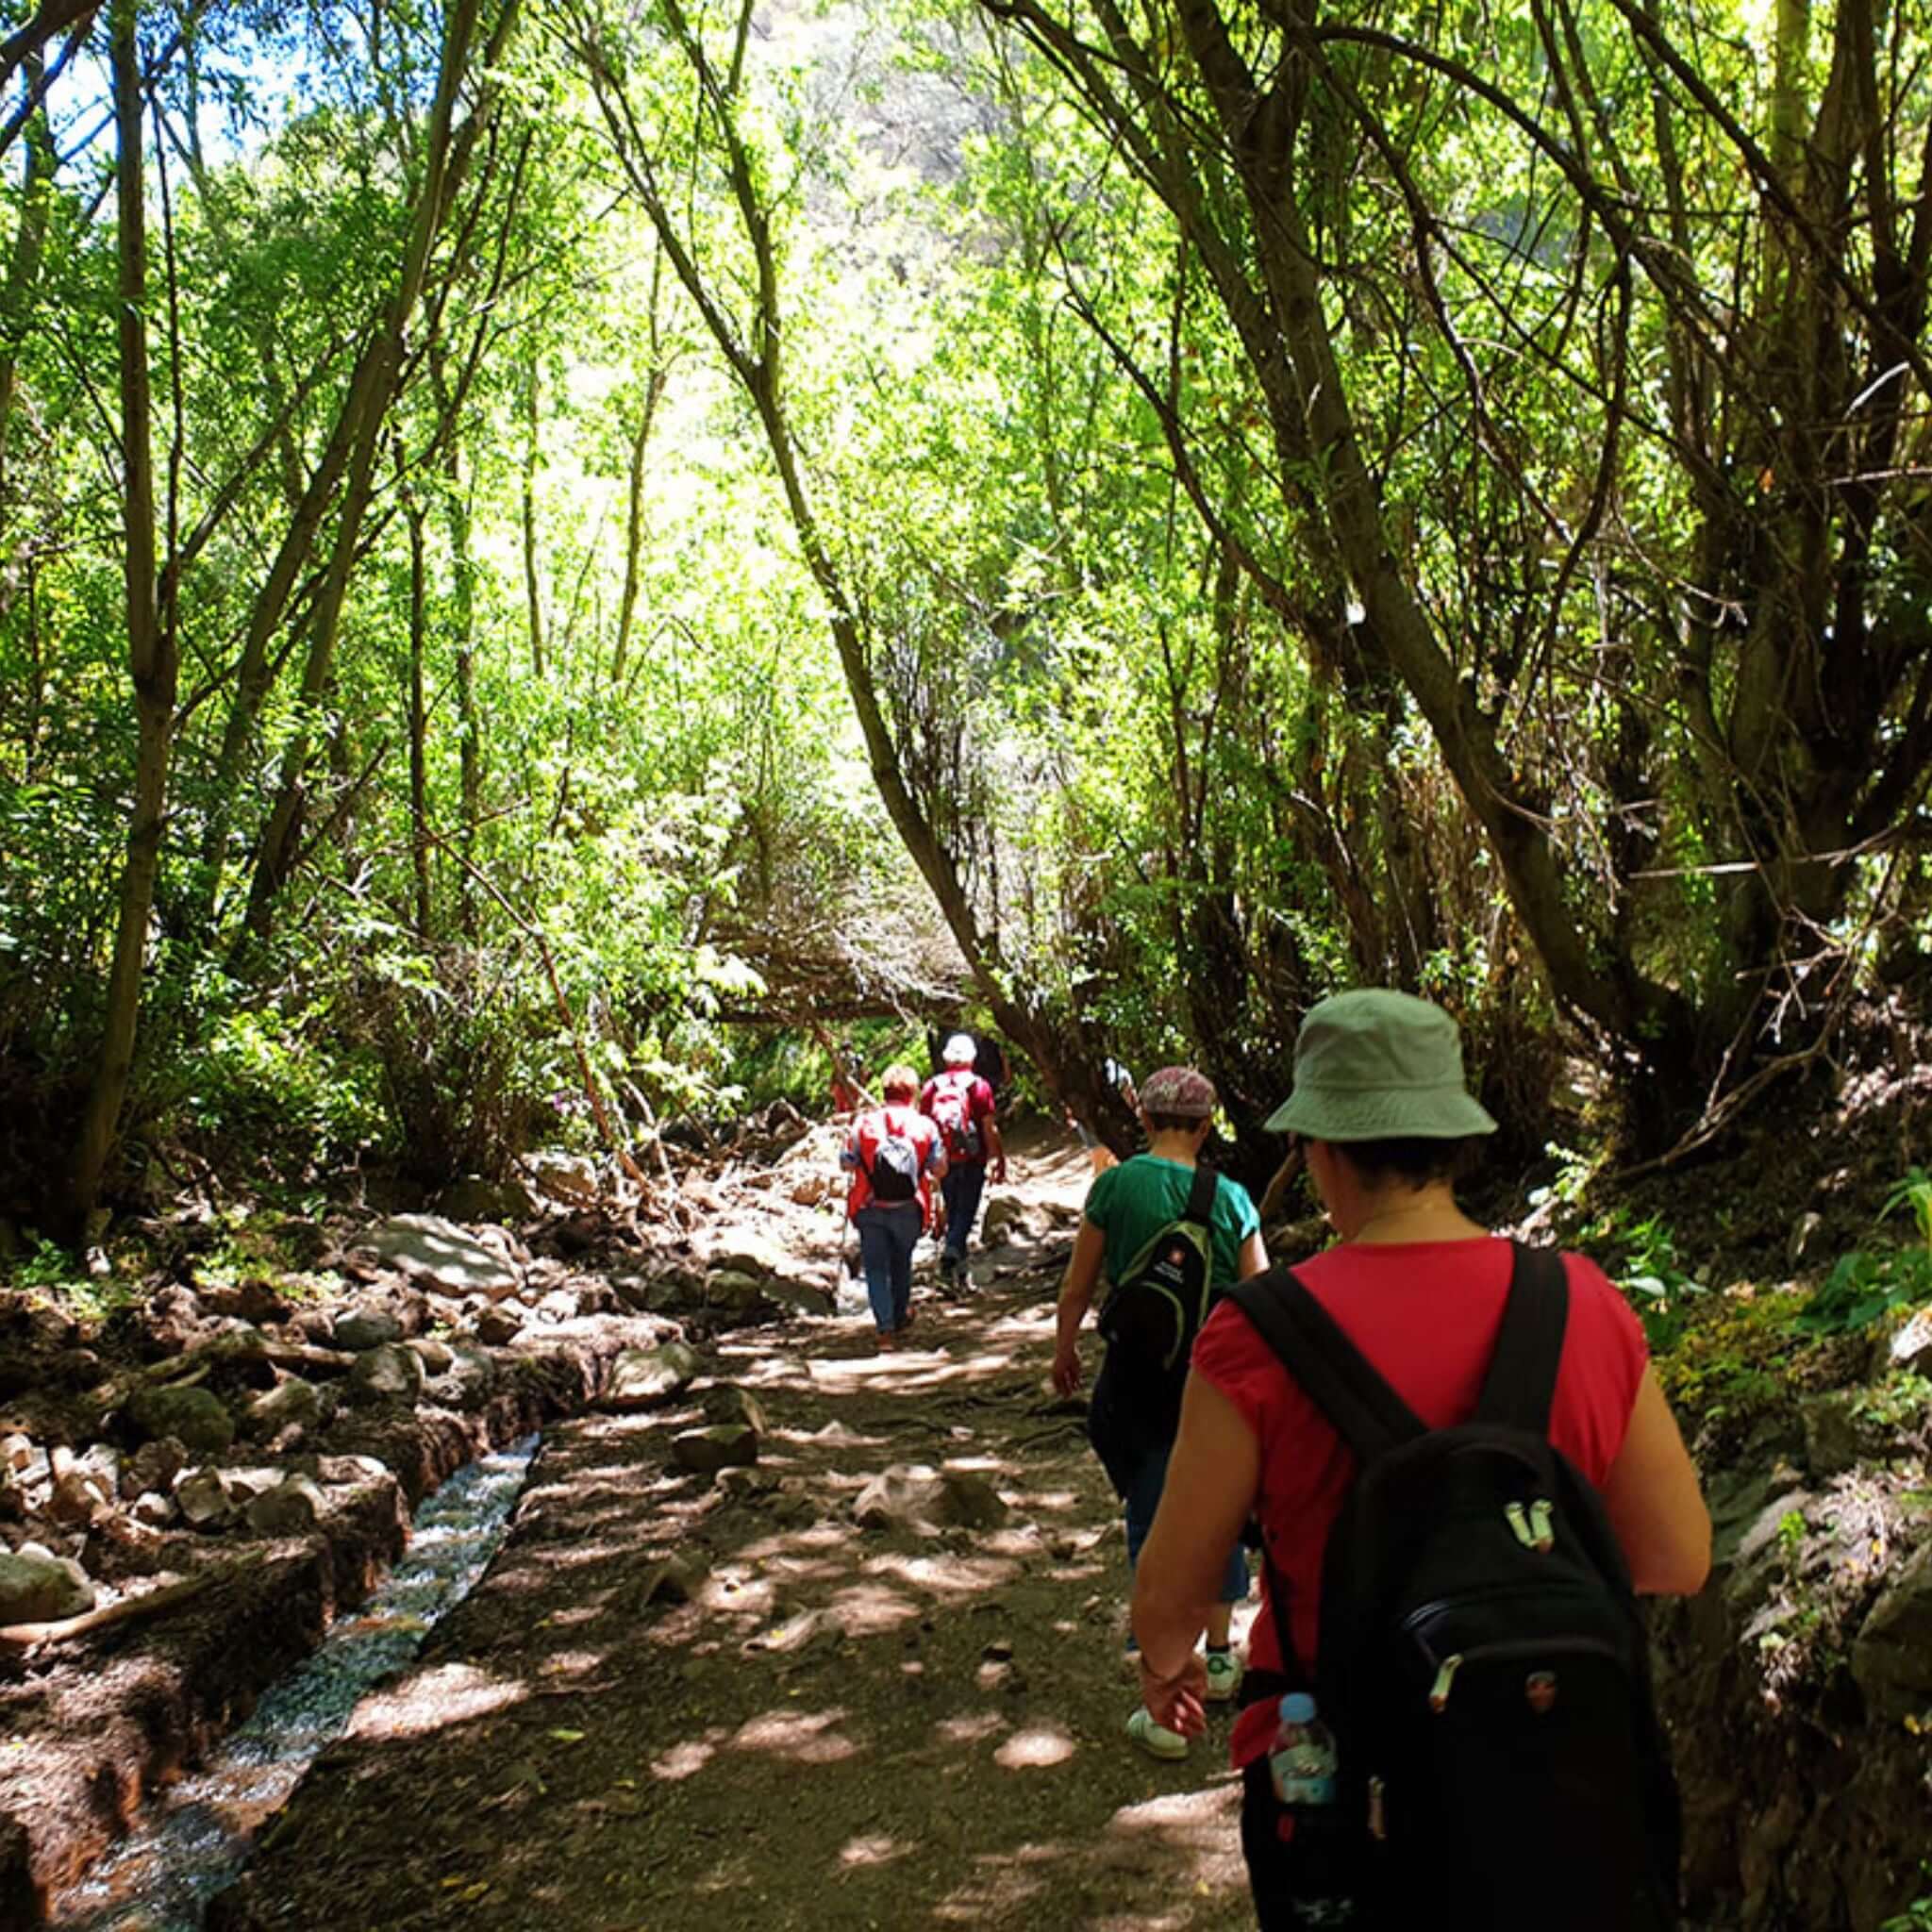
x: 861, y: 1147
x: 1425, y: 1314
x: 977, y: 1098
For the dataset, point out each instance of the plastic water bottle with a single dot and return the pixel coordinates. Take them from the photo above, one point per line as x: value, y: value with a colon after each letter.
x: 1302, y: 1758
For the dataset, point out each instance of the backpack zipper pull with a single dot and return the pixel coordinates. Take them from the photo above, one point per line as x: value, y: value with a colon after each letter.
x: 1519, y: 1521
x: 1445, y: 1676
x: 1378, y: 1822
x: 1539, y: 1513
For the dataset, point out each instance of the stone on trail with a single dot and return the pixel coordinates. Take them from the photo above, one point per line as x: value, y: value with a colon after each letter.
x: 499, y: 1326
x: 912, y: 1497
x: 737, y: 1294
x: 153, y: 1510
x: 37, y: 1587
x: 436, y: 1357
x: 294, y: 1403
x: 293, y: 1508
x: 471, y: 1379
x: 389, y: 1374
x: 676, y: 1580
x: 724, y: 1445
x: 154, y: 1466
x: 1911, y: 1347
x: 446, y: 1256
x: 78, y: 1496
x: 197, y: 1418
x: 569, y: 1180
x: 641, y: 1377
x: 204, y: 1498
x: 728, y: 1403
x: 363, y: 1329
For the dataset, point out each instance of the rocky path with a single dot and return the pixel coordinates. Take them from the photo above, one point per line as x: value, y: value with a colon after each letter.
x: 872, y: 1681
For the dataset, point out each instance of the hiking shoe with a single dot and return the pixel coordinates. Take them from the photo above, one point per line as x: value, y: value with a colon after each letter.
x: 1224, y: 1676
x: 1155, y: 1739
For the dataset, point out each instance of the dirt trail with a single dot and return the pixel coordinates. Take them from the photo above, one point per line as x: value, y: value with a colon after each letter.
x: 841, y: 1726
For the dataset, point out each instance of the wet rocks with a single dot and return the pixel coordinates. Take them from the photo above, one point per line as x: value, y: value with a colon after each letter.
x: 643, y: 1377
x: 293, y: 1508
x: 37, y: 1587
x: 197, y: 1418
x: 388, y: 1374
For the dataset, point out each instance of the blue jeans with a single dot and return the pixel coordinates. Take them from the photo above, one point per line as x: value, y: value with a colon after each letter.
x: 961, y: 1188
x: 1143, y: 1498
x: 887, y: 1237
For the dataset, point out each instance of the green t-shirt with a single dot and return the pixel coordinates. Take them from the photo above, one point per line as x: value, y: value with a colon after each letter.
x: 1130, y: 1204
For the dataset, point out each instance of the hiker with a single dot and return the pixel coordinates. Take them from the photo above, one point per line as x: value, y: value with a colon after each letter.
x: 848, y: 1083
x: 961, y: 1105
x: 1493, y: 1566
x: 1116, y: 1077
x: 895, y: 1153
x: 1168, y: 1234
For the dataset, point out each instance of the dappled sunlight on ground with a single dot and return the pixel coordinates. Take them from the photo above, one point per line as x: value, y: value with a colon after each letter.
x: 428, y: 1700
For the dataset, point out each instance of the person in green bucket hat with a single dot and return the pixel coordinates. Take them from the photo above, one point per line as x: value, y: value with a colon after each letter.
x: 1382, y: 1110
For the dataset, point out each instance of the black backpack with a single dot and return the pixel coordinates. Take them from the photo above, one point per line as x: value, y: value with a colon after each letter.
x: 1483, y: 1662
x: 893, y: 1170
x: 1163, y: 1294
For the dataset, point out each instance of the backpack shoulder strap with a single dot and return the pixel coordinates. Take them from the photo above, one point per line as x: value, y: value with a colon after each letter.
x: 1365, y: 1411
x: 1521, y: 1386
x: 1201, y: 1192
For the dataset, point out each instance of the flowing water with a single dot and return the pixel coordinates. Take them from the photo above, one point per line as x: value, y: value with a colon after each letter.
x: 196, y: 1836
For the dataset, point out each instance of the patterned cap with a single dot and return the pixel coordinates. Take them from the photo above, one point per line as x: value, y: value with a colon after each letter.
x: 1181, y: 1092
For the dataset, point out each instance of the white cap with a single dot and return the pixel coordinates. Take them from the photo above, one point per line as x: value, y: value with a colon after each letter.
x: 960, y: 1051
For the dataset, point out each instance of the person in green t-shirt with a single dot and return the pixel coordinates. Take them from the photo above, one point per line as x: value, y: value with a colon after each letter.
x: 1135, y: 1410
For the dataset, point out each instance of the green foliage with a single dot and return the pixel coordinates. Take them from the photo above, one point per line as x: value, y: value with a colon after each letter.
x: 1732, y: 1358
x: 1639, y: 1253
x: 1864, y: 1287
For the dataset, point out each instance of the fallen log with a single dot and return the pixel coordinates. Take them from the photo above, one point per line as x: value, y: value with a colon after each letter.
x: 25, y: 1637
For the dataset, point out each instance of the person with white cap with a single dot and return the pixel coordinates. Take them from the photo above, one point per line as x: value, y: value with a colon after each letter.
x: 1169, y: 1235
x: 961, y: 1106
x: 1401, y: 1328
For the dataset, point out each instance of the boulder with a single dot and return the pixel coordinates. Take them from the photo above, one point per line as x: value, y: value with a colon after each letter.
x: 920, y: 1499
x: 293, y: 1508
x: 197, y: 1418
x: 473, y: 1198
x: 389, y: 1374
x: 362, y: 1329
x: 569, y: 1180
x: 724, y: 1446
x: 37, y: 1587
x: 500, y: 1325
x: 205, y: 1501
x: 728, y: 1403
x: 446, y: 1256
x: 1832, y: 1436
x: 1891, y: 1657
x: 643, y: 1377
x: 294, y: 1403
x: 1009, y: 1219
x: 737, y: 1296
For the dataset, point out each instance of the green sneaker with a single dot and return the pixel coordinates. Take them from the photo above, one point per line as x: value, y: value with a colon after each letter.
x: 1155, y: 1739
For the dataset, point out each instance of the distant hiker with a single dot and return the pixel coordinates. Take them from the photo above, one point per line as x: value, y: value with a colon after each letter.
x: 961, y: 1106
x: 895, y: 1153
x: 848, y: 1083
x: 1116, y: 1077
x: 1171, y: 1236
x: 1460, y: 1480
x: 989, y: 1057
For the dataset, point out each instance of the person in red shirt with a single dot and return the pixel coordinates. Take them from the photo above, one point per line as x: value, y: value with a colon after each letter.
x: 962, y: 1105
x: 1419, y: 1288
x: 894, y: 1156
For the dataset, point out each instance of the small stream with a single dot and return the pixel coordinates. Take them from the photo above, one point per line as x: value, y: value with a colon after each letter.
x: 196, y: 1836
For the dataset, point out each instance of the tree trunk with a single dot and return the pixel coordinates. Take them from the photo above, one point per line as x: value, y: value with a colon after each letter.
x: 533, y: 590
x: 24, y: 275
x: 444, y: 160
x: 419, y: 728
x: 152, y: 654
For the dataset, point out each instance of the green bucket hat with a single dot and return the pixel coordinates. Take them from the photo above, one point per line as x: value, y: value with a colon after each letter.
x: 1376, y: 1065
